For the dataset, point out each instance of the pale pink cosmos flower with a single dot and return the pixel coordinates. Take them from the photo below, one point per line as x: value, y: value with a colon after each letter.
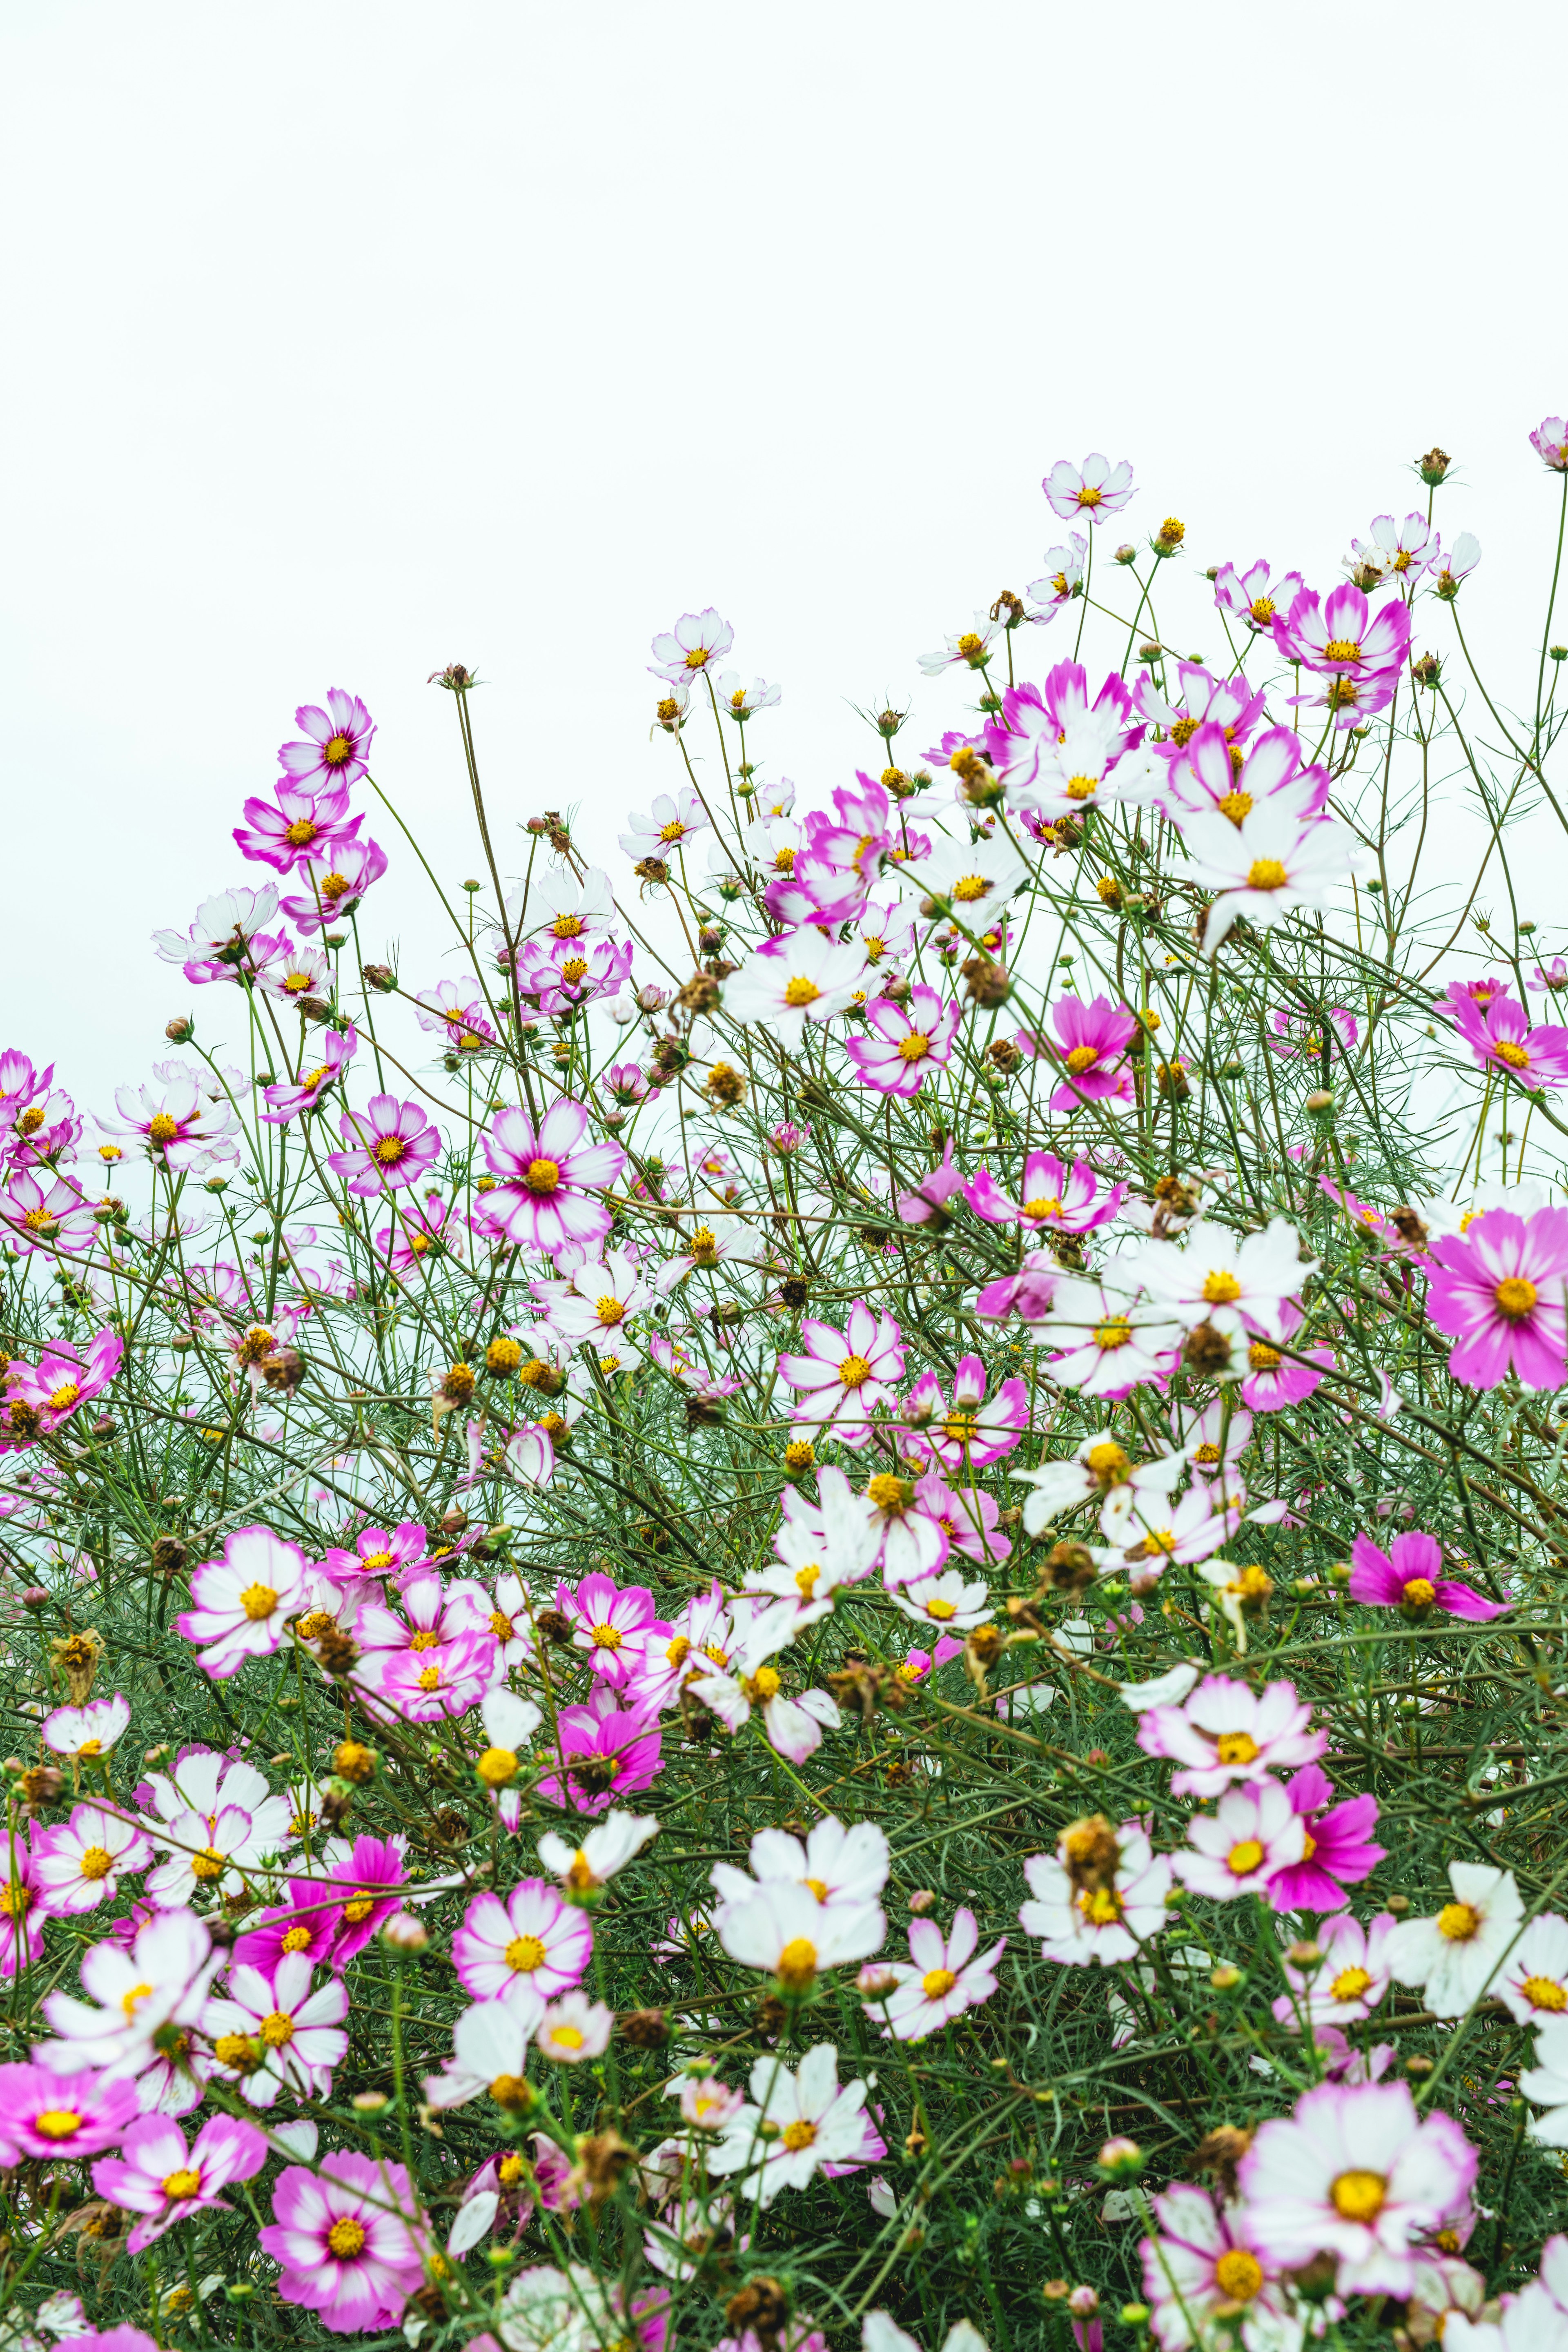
x: 157, y: 2175
x: 1455, y: 1955
x: 58, y: 1219
x: 1207, y: 781
x: 219, y: 944
x: 336, y: 749
x: 1396, y: 552
x: 342, y: 2237
x: 819, y: 2121
x: 1550, y: 443
x: 534, y: 1933
x: 428, y: 1685
x: 1052, y: 1197
x: 1204, y: 2266
x: 1348, y: 1983
x: 85, y: 1733
x: 819, y: 1548
x: 1497, y: 1290
x: 456, y: 1009
x: 549, y: 1177
x: 179, y: 1126
x: 1341, y: 637
x: 1551, y: 978
x: 1108, y: 1343
x: 674, y: 820
x: 389, y: 1143
x: 967, y: 1515
x: 596, y: 1301
x: 607, y: 1619
x: 963, y: 1428
x: 843, y: 1376
x: 1226, y: 1732
x: 80, y: 1864
x: 1096, y: 1899
x: 1356, y: 2174
x: 574, y: 2030
x: 1449, y: 571
x: 1062, y: 579
x: 1275, y: 1379
x: 1150, y: 1530
x: 243, y: 1600
x: 291, y: 972
x: 905, y: 1043
x: 915, y: 1543
x: 1253, y: 1834
x: 269, y: 2034
x: 1410, y: 1576
x: 706, y: 2104
x: 1090, y: 492
x: 61, y: 2116
x: 214, y: 1815
x: 793, y: 1726
x: 334, y: 885
x: 944, y: 1976
x: 698, y: 642
x: 971, y: 880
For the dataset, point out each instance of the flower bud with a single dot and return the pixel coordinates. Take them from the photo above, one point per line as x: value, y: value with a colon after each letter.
x: 178, y: 1030
x: 381, y: 977
x: 1121, y: 2159
x: 1126, y: 553
x: 922, y: 1900
x: 876, y: 1981
x: 1083, y: 2302
x: 406, y: 1934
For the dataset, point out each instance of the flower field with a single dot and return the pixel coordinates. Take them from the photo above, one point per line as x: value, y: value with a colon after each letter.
x: 821, y: 1602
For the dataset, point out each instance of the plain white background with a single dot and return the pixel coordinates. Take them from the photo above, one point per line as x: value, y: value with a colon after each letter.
x: 346, y: 340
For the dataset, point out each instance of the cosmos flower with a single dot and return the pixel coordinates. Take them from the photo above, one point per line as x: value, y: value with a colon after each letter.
x: 607, y: 1751
x: 1411, y: 1577
x: 1062, y: 579
x: 1203, y: 2266
x: 533, y: 1933
x: 1253, y: 1834
x: 85, y: 1733
x: 574, y: 2030
x: 1093, y: 1041
x: 389, y: 1143
x: 138, y: 1988
x: 698, y: 642
x: 1502, y: 1039
x: 298, y: 824
x: 1225, y: 1732
x: 289, y: 1098
x: 1235, y: 1283
x: 59, y: 2115
x: 342, y: 2235
x: 1100, y: 1896
x: 157, y: 2175
x: 1497, y: 1290
x: 334, y: 885
x: 1090, y: 492
x: 843, y: 1376
x: 243, y: 1598
x: 1454, y: 1956
x: 949, y: 1602
x: 944, y: 1976
x: 1273, y: 862
x: 819, y: 2122
x: 1338, y: 1850
x: 1107, y: 1342
x: 783, y: 1927
x: 964, y: 1428
x: 270, y: 2034
x: 798, y: 977
x: 336, y: 746
x: 547, y: 1178
x: 968, y: 649
x: 80, y: 1865
x: 904, y: 1044
x: 1348, y: 1981
x: 1051, y: 1197
x: 56, y: 1218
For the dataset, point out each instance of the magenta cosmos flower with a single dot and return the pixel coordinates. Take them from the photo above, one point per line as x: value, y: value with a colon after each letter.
x: 344, y: 2253
x: 389, y: 1143
x: 1413, y: 1579
x: 1089, y: 492
x: 906, y: 1044
x: 612, y: 1623
x: 1094, y: 1038
x: 1051, y: 1196
x: 1357, y: 2174
x: 243, y: 1598
x: 1338, y: 1854
x: 63, y: 1380
x: 1342, y: 637
x: 299, y: 824
x: 156, y: 2176
x: 546, y: 1176
x: 1498, y: 1291
x: 844, y: 1375
x: 606, y: 1751
x: 1226, y: 1732
x: 1500, y: 1037
x: 336, y: 749
x: 1274, y: 1380
x: 334, y: 885
x: 44, y: 2114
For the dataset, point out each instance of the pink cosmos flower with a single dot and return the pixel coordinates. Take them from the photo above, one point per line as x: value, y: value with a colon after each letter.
x: 219, y: 944
x: 1534, y: 1979
x: 297, y: 825
x: 607, y: 1750
x: 356, y: 1888
x: 1300, y: 1033
x: 1207, y: 781
x: 1255, y: 596
x: 1357, y: 2174
x: 909, y: 1040
x: 698, y: 642
x: 428, y: 1685
x: 417, y: 1232
x: 534, y: 1936
x: 342, y: 2236
x: 1413, y: 1579
x: 1551, y: 978
x: 292, y: 972
x: 1029, y: 1294
x: 1341, y: 637
x: 290, y: 1098
x: 968, y: 1430
x: 963, y: 648
x: 157, y: 2175
x: 1274, y: 1380
x: 575, y: 2030
x: 1061, y: 580
x: 1203, y: 2266
x: 180, y: 1128
x: 1051, y: 1199
x: 1226, y: 1732
x: 1500, y: 1037
x: 377, y: 1552
x: 1089, y: 492
x: 86, y: 1733
x: 607, y: 1620
x: 1550, y: 443
x: 336, y: 749
x: 542, y: 1199
x: 966, y: 1516
x: 270, y: 2034
x: 147, y: 1978
x: 1338, y: 1851
x: 1058, y: 754
x: 1497, y: 1290
x: 334, y: 885
x: 80, y: 1865
x: 47, y: 2114
x: 389, y: 1143
x: 243, y: 1598
x: 1253, y: 1833
x: 844, y: 1375
x: 820, y: 2123
x: 926, y: 1201
x: 1093, y: 1042
x: 1346, y: 1985
x: 56, y: 1218
x: 64, y: 1379
x: 1202, y: 700
x: 944, y: 1975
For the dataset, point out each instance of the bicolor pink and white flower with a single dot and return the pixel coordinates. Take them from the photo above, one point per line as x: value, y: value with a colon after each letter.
x: 962, y: 1428
x: 243, y: 1598
x: 1347, y: 1982
x: 1253, y: 1833
x: 1052, y: 1197
x: 335, y: 750
x: 80, y: 1864
x: 1090, y: 492
x: 388, y: 1144
x: 550, y: 1179
x: 343, y: 2236
x: 1226, y: 1732
x: 269, y: 2034
x: 944, y: 1976
x: 843, y: 1377
x: 698, y: 642
x: 1204, y: 2267
x: 904, y: 1044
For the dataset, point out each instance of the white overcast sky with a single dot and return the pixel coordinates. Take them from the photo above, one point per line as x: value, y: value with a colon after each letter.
x: 349, y: 338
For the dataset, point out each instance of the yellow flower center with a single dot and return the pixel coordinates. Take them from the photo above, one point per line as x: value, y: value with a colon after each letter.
x: 390, y: 1149
x: 1107, y: 1462
x: 339, y: 750
x: 525, y: 1953
x: 131, y: 2001
x: 566, y: 2037
x: 1263, y: 1359
x: 257, y: 1601
x: 1514, y: 1056
x: 1089, y: 495
x: 1116, y: 1333
x: 96, y: 1861
x: 430, y: 1678
x: 296, y: 1939
x: 57, y: 2122
x: 1081, y: 1058
x: 346, y: 2237
x: 1515, y: 1296
x: 767, y: 1682
x: 278, y: 2030
x: 605, y: 1637
x: 1350, y: 1983
x: 970, y: 887
x: 1265, y: 874
x: 940, y: 1608
x: 1101, y: 1906
x: 1244, y: 1858
x: 1235, y: 1747
x: 938, y: 1981
x: 1262, y: 610
x: 208, y: 1863
x: 495, y: 1767
x: 818, y: 1888
x: 801, y: 990
x: 427, y: 1638
x: 509, y: 2171
x: 1079, y: 787
x: 797, y: 2135
x: 1458, y: 1922
x: 185, y: 2183
x: 567, y: 927
x: 1239, y: 2275
x: 543, y: 1176
x: 1359, y: 2196
x: 301, y: 832
x: 609, y: 1310
x: 853, y: 1371
x: 1419, y: 1591
x: 797, y: 1963
x: 806, y: 1579
x: 1544, y: 1992
x: 1342, y: 649
x: 512, y: 2090
x: 1221, y: 1288
x: 238, y: 2050
x: 914, y: 1048
x: 674, y: 831
x: 1044, y: 1205
x: 162, y: 1128
x: 1235, y: 806
x: 362, y: 1907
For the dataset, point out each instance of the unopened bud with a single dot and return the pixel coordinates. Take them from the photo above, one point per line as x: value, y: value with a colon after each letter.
x: 922, y: 1900
x: 403, y: 1933
x: 177, y: 1030
x: 1121, y: 2159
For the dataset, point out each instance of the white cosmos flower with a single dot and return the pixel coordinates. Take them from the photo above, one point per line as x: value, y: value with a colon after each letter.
x: 835, y: 1864
x: 608, y: 1846
x: 1456, y: 1956
x: 801, y: 976
x: 818, y: 2122
x: 947, y: 1601
x: 1271, y: 863
x: 975, y: 879
x: 1099, y: 1466
x: 161, y: 1982
x: 1238, y: 1283
x: 783, y: 1927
